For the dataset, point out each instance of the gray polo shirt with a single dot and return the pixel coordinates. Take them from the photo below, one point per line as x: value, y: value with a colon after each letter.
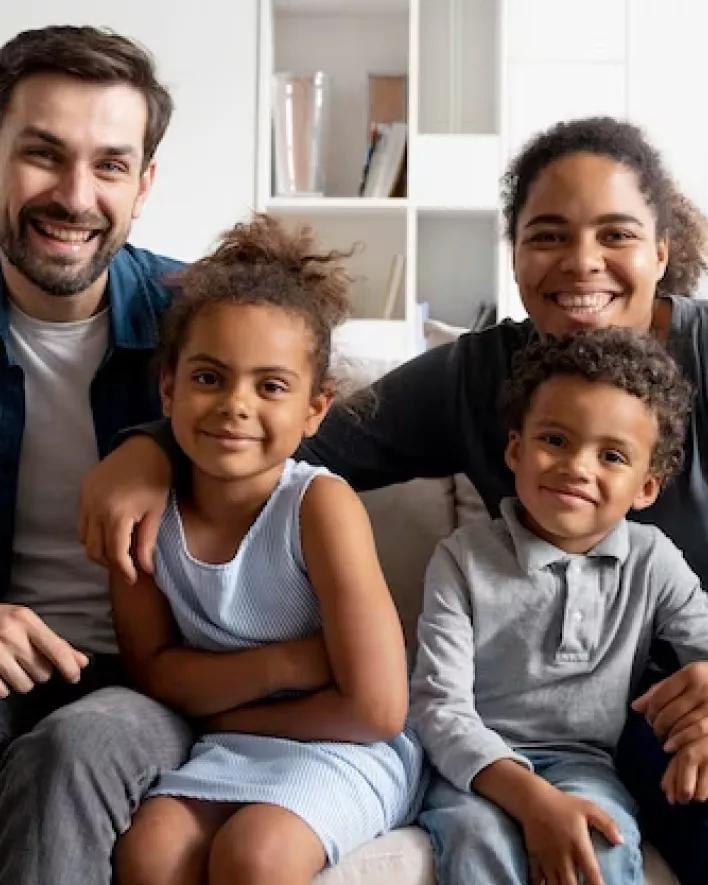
x: 522, y: 645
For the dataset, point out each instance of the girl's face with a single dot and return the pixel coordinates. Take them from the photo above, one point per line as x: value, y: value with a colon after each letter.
x: 586, y: 253
x: 242, y: 397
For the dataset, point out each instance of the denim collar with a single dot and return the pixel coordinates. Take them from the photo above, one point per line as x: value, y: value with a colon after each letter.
x: 534, y: 554
x: 133, y: 323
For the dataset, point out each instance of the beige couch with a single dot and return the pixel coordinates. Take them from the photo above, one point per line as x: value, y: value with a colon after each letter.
x: 408, y: 521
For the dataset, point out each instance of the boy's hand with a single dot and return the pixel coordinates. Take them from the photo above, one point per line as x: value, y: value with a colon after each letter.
x: 557, y: 833
x: 677, y: 702
x: 686, y: 776
x: 122, y: 502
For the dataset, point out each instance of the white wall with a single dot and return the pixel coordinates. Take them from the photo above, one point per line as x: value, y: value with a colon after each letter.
x: 206, y: 54
x: 644, y: 60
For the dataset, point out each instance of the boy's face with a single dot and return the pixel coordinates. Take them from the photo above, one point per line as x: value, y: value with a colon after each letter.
x: 582, y: 460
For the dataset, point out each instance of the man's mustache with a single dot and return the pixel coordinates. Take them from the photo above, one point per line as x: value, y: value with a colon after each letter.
x: 57, y: 212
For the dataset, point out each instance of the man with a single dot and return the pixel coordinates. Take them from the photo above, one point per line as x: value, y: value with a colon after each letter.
x: 81, y: 114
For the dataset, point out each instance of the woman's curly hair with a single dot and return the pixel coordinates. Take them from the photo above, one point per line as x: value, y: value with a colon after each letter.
x: 635, y: 362
x: 262, y: 263
x: 677, y: 218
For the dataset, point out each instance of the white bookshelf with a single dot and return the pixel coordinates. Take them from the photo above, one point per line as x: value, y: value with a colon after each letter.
x: 483, y: 75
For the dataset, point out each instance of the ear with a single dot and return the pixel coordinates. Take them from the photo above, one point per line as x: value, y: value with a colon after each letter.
x: 648, y: 493
x: 511, y: 454
x: 167, y: 386
x: 146, y: 179
x: 316, y: 411
x: 662, y: 256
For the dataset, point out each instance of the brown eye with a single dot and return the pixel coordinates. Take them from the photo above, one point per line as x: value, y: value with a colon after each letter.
x: 206, y: 378
x: 545, y: 238
x: 555, y: 440
x: 273, y: 387
x: 612, y: 456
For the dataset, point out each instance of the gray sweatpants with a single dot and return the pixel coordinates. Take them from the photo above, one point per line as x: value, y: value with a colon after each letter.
x: 69, y: 786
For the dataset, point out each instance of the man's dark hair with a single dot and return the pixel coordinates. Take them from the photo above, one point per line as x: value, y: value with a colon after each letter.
x: 95, y: 55
x: 631, y: 361
x: 676, y: 216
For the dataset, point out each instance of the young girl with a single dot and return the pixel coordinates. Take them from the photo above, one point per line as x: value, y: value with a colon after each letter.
x: 268, y: 620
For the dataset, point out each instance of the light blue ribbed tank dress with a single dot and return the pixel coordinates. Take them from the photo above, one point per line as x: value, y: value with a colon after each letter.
x: 347, y: 793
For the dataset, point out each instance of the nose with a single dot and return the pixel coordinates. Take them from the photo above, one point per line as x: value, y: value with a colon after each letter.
x: 583, y: 255
x: 235, y: 403
x: 75, y: 188
x: 576, y: 464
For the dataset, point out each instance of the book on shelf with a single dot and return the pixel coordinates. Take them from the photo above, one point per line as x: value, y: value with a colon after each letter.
x: 388, y: 98
x: 394, y: 285
x: 385, y: 160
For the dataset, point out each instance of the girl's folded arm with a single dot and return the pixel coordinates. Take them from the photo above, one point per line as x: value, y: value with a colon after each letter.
x: 368, y: 700
x: 202, y: 683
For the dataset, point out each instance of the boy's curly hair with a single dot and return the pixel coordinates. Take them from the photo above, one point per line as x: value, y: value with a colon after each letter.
x: 677, y: 218
x: 262, y: 263
x: 631, y: 361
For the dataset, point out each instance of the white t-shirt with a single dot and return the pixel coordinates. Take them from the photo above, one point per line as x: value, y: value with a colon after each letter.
x: 50, y: 572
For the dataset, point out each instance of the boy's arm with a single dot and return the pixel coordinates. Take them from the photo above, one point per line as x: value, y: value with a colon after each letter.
x: 473, y: 757
x: 442, y: 688
x: 201, y: 683
x: 368, y: 699
x: 556, y: 825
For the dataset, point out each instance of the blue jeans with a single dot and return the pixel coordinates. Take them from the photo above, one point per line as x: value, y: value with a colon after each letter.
x: 476, y: 843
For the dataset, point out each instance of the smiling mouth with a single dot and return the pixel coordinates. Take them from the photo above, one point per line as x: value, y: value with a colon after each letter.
x: 572, y: 495
x: 71, y: 235
x: 583, y: 302
x: 226, y: 438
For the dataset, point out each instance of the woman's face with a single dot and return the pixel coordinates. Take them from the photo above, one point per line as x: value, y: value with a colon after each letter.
x: 586, y: 253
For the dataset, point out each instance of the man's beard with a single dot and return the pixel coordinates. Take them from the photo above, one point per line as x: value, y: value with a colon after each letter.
x: 58, y: 276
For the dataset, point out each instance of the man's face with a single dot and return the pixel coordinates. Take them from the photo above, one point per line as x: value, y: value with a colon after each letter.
x: 71, y: 178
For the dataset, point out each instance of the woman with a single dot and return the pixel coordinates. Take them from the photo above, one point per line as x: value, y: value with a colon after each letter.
x: 600, y: 237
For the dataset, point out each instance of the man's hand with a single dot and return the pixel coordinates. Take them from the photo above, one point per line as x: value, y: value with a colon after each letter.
x: 122, y: 502
x: 30, y: 652
x: 557, y: 834
x: 677, y: 707
x: 686, y: 776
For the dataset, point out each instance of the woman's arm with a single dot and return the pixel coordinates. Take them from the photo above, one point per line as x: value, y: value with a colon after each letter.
x: 201, y: 683
x: 369, y: 698
x: 407, y: 428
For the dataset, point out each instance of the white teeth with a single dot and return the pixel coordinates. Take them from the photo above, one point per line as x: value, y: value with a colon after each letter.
x: 589, y: 301
x: 66, y: 236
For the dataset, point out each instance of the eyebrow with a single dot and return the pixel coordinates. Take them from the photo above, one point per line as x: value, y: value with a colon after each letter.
x: 608, y: 218
x: 553, y: 424
x: 212, y: 360
x: 120, y: 150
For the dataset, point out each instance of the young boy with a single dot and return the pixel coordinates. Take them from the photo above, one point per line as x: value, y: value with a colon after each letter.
x: 537, y: 626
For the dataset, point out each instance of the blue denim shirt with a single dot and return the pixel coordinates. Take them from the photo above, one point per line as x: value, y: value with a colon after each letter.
x: 124, y: 390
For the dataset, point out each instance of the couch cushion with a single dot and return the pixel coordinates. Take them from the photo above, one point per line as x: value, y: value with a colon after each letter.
x: 408, y: 521
x: 404, y: 857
